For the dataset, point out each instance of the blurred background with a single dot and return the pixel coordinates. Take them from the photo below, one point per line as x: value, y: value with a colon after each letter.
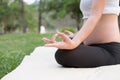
x: 26, y: 16
x: 23, y: 23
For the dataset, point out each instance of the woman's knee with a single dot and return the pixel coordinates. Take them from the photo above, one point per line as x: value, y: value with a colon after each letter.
x: 62, y: 57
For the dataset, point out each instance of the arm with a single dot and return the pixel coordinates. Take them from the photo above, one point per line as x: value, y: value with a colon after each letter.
x: 86, y: 30
x: 90, y: 24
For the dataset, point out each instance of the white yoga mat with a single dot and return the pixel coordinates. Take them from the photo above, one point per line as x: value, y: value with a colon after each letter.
x: 41, y: 65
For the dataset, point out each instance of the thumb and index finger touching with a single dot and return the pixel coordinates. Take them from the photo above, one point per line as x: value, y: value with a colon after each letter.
x: 53, y: 39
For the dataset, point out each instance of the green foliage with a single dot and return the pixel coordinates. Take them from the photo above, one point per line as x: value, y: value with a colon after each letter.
x: 3, y: 9
x: 31, y: 17
x: 11, y: 16
x: 13, y: 48
x: 62, y: 8
x: 68, y: 28
x: 8, y: 10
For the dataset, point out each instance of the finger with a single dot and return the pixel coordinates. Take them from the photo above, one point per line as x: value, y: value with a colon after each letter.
x: 47, y: 40
x: 54, y: 37
x: 59, y: 45
x: 51, y: 45
x: 68, y: 32
x: 63, y: 36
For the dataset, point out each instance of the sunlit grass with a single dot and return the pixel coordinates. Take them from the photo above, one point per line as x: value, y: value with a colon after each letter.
x: 13, y: 48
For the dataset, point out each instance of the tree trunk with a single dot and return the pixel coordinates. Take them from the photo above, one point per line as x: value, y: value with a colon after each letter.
x: 78, y: 20
x: 4, y: 24
x: 40, y: 16
x: 5, y: 19
x: 23, y: 20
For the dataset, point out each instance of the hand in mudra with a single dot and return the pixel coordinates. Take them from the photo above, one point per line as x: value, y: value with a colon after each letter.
x: 69, y: 34
x: 66, y: 42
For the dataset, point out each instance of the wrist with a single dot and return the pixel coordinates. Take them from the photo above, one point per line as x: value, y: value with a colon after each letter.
x: 74, y: 45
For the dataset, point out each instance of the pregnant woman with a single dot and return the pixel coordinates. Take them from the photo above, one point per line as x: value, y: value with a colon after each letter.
x: 97, y: 43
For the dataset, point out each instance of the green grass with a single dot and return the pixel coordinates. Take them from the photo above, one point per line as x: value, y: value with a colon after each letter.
x: 13, y: 48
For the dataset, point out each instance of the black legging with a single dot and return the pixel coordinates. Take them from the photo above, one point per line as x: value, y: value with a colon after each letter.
x: 90, y: 56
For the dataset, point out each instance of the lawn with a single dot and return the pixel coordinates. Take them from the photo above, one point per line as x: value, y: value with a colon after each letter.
x: 13, y: 48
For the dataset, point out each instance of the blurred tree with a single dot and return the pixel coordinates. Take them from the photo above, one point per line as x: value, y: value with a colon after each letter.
x: 10, y: 15
x: 11, y: 20
x: 31, y: 17
x: 23, y: 19
x: 61, y: 8
x: 40, y: 15
x: 4, y: 11
x: 14, y: 16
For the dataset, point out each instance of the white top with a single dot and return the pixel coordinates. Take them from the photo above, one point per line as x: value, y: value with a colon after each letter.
x: 111, y: 7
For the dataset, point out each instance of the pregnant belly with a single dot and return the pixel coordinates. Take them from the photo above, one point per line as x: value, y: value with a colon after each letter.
x: 101, y: 38
x: 94, y: 40
x: 106, y: 30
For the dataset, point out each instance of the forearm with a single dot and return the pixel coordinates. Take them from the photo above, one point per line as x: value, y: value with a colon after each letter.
x: 86, y: 29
